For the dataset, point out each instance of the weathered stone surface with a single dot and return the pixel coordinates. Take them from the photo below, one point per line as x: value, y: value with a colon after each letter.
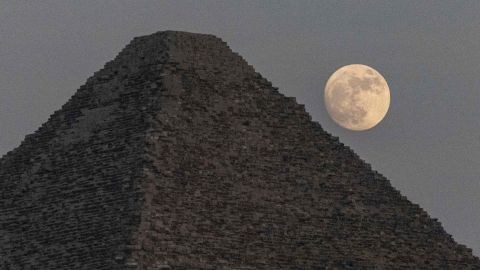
x: 178, y: 155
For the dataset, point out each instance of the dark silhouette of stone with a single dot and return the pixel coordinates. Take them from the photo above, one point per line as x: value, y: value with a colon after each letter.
x: 178, y: 155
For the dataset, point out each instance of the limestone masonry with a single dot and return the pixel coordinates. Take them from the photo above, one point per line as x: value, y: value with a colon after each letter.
x: 178, y: 155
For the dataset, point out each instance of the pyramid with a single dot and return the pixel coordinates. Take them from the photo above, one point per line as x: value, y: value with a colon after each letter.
x: 178, y: 155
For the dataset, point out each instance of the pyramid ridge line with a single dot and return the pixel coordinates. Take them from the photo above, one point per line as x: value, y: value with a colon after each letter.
x: 164, y: 40
x: 138, y: 46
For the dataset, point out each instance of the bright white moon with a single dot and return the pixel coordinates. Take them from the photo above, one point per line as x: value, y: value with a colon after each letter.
x: 357, y: 97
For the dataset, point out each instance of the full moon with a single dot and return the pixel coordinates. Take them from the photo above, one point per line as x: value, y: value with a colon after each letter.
x: 357, y: 97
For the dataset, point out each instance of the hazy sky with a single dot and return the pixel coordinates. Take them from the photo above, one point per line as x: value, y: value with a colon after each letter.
x: 429, y: 52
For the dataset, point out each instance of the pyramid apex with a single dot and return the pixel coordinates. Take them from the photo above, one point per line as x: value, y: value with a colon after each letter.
x: 173, y: 36
x: 178, y: 33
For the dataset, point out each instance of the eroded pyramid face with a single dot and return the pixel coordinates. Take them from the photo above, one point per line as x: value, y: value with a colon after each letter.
x: 178, y: 155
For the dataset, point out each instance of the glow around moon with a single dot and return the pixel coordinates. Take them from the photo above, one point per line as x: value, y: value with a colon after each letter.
x: 357, y: 97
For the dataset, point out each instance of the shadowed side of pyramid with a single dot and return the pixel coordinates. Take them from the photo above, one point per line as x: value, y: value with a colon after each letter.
x: 178, y: 155
x: 69, y: 192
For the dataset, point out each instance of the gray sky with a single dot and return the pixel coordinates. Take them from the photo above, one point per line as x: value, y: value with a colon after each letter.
x: 428, y: 145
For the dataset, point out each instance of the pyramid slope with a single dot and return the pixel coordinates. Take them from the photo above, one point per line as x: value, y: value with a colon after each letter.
x: 178, y: 155
x: 70, y: 196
